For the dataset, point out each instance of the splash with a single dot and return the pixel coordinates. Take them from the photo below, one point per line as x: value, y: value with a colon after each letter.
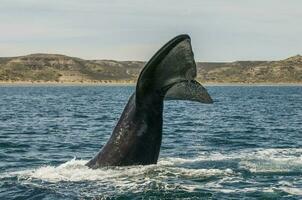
x: 206, y: 171
x: 257, y: 160
x: 273, y: 161
x: 75, y: 170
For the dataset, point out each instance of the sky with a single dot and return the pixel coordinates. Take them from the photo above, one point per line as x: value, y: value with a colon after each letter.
x: 220, y: 30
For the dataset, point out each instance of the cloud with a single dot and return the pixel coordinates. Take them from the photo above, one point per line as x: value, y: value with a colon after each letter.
x: 129, y: 29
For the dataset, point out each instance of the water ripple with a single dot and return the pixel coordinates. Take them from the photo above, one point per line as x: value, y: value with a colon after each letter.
x: 246, y: 145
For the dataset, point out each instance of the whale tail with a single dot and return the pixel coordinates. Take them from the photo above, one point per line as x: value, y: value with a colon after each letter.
x: 170, y: 73
x: 136, y: 139
x: 189, y: 90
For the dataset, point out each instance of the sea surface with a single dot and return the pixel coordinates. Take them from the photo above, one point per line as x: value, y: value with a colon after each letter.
x: 247, y: 145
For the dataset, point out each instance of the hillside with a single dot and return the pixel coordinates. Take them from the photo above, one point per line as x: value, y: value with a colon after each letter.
x: 283, y: 71
x: 60, y: 68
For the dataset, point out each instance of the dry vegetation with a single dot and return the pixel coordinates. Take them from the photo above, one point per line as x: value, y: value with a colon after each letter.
x: 60, y: 68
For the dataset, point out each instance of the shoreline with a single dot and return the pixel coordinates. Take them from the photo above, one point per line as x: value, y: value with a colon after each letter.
x: 117, y: 83
x: 65, y: 83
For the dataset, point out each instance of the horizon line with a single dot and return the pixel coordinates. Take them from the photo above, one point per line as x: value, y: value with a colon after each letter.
x: 121, y: 60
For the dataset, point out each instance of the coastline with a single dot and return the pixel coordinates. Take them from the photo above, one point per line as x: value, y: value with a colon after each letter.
x: 253, y: 84
x: 129, y: 83
x: 65, y: 83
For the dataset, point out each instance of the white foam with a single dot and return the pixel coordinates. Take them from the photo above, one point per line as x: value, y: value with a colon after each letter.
x: 259, y: 160
x: 273, y: 160
x: 254, y: 160
x: 172, y: 173
x: 75, y: 170
x: 292, y: 190
x: 213, y: 156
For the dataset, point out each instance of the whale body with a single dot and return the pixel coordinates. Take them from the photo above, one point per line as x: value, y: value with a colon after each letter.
x: 137, y: 137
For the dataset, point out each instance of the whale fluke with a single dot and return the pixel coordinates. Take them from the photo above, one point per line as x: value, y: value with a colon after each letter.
x: 189, y: 90
x: 169, y: 74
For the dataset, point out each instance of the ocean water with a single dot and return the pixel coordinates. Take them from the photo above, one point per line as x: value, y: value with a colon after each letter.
x: 247, y: 145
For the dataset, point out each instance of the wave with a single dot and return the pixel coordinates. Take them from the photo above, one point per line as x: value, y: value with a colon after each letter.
x: 253, y: 160
x: 215, y: 171
x: 75, y: 170
x: 110, y: 181
x: 274, y: 160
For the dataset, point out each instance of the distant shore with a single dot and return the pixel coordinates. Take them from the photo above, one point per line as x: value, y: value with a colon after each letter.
x: 55, y: 83
x: 54, y: 69
x: 127, y: 83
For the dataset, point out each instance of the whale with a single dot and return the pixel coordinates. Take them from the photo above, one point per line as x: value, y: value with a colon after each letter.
x: 169, y: 75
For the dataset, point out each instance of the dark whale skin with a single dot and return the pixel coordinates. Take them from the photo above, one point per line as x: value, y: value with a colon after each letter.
x: 137, y: 137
